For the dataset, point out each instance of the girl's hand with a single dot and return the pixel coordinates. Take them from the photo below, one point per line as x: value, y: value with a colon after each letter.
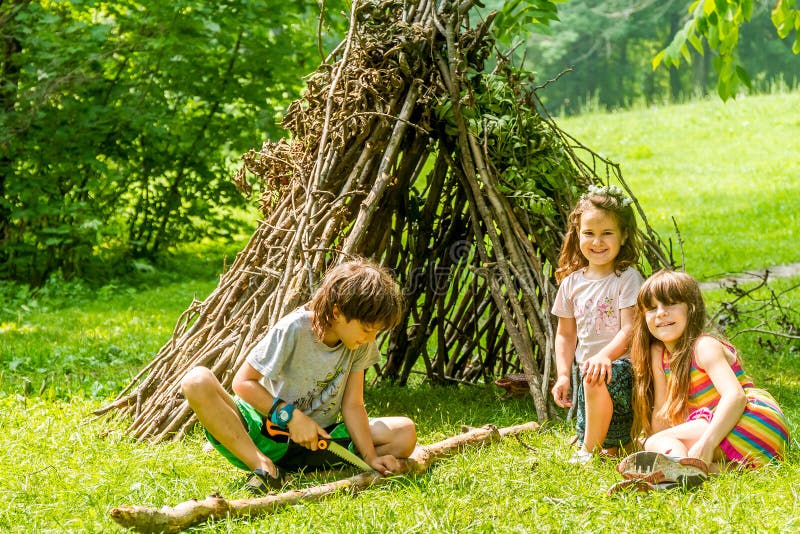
x: 597, y: 368
x: 385, y: 465
x: 701, y: 450
x: 560, y: 392
x: 305, y: 431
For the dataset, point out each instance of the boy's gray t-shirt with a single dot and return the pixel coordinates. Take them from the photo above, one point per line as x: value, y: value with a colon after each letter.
x: 304, y: 371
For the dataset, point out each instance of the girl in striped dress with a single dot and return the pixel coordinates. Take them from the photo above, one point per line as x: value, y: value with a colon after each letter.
x: 691, y: 397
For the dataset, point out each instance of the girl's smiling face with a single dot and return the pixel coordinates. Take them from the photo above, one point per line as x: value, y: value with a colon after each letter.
x: 600, y: 240
x: 667, y: 322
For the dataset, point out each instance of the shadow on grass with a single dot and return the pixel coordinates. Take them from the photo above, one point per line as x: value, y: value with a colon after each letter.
x: 437, y: 409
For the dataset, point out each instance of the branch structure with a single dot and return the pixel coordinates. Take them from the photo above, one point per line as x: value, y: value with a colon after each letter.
x: 194, y: 512
x: 418, y: 145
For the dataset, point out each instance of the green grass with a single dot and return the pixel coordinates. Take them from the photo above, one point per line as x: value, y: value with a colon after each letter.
x: 69, y: 337
x: 727, y: 172
x: 58, y: 475
x: 67, y: 350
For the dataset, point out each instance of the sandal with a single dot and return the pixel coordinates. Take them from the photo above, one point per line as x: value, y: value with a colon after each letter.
x: 654, y: 467
x: 261, y: 482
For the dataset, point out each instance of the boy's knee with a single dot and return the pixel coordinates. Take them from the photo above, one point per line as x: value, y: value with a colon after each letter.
x: 410, y: 428
x: 197, y: 379
x: 407, y: 437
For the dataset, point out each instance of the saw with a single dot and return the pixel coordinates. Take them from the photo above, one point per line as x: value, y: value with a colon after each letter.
x: 343, y: 453
x: 324, y: 444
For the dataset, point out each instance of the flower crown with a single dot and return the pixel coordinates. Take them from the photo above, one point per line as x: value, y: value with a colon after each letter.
x: 612, y: 191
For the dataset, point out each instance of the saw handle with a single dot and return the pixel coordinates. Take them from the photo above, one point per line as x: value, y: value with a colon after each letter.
x: 275, y: 430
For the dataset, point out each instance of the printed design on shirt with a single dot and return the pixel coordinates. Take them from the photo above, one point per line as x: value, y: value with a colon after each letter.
x: 600, y: 316
x: 322, y: 399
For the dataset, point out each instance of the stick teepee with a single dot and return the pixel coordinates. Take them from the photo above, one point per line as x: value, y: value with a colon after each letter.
x: 418, y: 145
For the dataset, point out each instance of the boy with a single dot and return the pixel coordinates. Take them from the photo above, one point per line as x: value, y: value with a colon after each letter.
x: 300, y: 376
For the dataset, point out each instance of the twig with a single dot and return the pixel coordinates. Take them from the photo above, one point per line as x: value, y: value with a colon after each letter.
x: 195, y: 512
x: 553, y: 80
x: 769, y: 332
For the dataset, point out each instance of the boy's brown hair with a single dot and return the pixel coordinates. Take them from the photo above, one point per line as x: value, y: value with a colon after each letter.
x: 361, y: 290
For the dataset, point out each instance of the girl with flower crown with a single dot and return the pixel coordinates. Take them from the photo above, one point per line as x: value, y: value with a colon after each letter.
x: 598, y: 282
x: 691, y: 396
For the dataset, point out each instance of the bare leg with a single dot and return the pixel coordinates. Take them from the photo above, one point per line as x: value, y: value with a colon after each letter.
x: 666, y: 445
x: 217, y: 412
x: 393, y: 435
x: 598, y: 414
x: 677, y: 440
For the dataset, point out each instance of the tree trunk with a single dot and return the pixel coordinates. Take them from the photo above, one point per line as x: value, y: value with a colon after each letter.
x: 10, y: 47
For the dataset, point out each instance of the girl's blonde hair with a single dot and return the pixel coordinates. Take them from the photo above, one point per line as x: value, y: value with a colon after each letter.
x: 667, y: 287
x: 612, y: 200
x: 361, y: 290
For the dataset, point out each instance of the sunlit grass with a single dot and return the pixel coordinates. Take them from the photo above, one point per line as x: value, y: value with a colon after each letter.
x: 727, y: 172
x: 95, y: 345
x: 57, y: 474
x: 69, y: 348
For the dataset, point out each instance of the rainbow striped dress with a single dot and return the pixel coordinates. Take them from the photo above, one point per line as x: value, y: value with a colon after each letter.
x: 762, y: 433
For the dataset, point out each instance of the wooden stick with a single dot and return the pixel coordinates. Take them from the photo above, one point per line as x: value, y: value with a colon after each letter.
x: 194, y: 512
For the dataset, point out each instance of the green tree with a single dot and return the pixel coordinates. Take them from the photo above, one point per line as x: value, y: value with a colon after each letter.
x: 718, y: 23
x: 605, y: 52
x: 118, y: 121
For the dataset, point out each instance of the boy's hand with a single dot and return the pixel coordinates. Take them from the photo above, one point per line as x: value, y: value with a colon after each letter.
x: 560, y: 392
x: 597, y: 368
x: 305, y: 431
x: 385, y: 465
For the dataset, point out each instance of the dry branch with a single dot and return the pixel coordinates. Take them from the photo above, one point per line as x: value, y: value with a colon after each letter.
x: 194, y: 512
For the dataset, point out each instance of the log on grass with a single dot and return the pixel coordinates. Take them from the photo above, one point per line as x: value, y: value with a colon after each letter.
x: 194, y: 512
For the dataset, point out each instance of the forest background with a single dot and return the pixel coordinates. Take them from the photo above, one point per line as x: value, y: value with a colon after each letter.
x: 121, y: 123
x: 117, y: 209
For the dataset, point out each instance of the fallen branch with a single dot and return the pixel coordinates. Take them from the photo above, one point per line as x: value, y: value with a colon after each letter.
x: 194, y: 512
x: 768, y: 332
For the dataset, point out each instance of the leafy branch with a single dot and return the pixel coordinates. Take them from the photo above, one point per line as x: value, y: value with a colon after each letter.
x: 718, y: 23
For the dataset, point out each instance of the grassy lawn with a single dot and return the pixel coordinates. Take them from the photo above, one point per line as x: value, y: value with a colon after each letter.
x: 726, y: 172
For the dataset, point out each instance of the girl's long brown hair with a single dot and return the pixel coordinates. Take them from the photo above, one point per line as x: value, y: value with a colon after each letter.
x: 571, y: 259
x: 667, y: 287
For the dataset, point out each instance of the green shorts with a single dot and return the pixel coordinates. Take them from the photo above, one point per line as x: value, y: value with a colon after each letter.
x: 283, y: 452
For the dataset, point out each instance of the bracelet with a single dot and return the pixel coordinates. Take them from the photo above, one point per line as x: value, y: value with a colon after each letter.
x: 283, y: 415
x: 280, y: 416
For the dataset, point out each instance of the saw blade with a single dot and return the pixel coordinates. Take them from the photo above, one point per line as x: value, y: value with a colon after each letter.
x: 346, y: 455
